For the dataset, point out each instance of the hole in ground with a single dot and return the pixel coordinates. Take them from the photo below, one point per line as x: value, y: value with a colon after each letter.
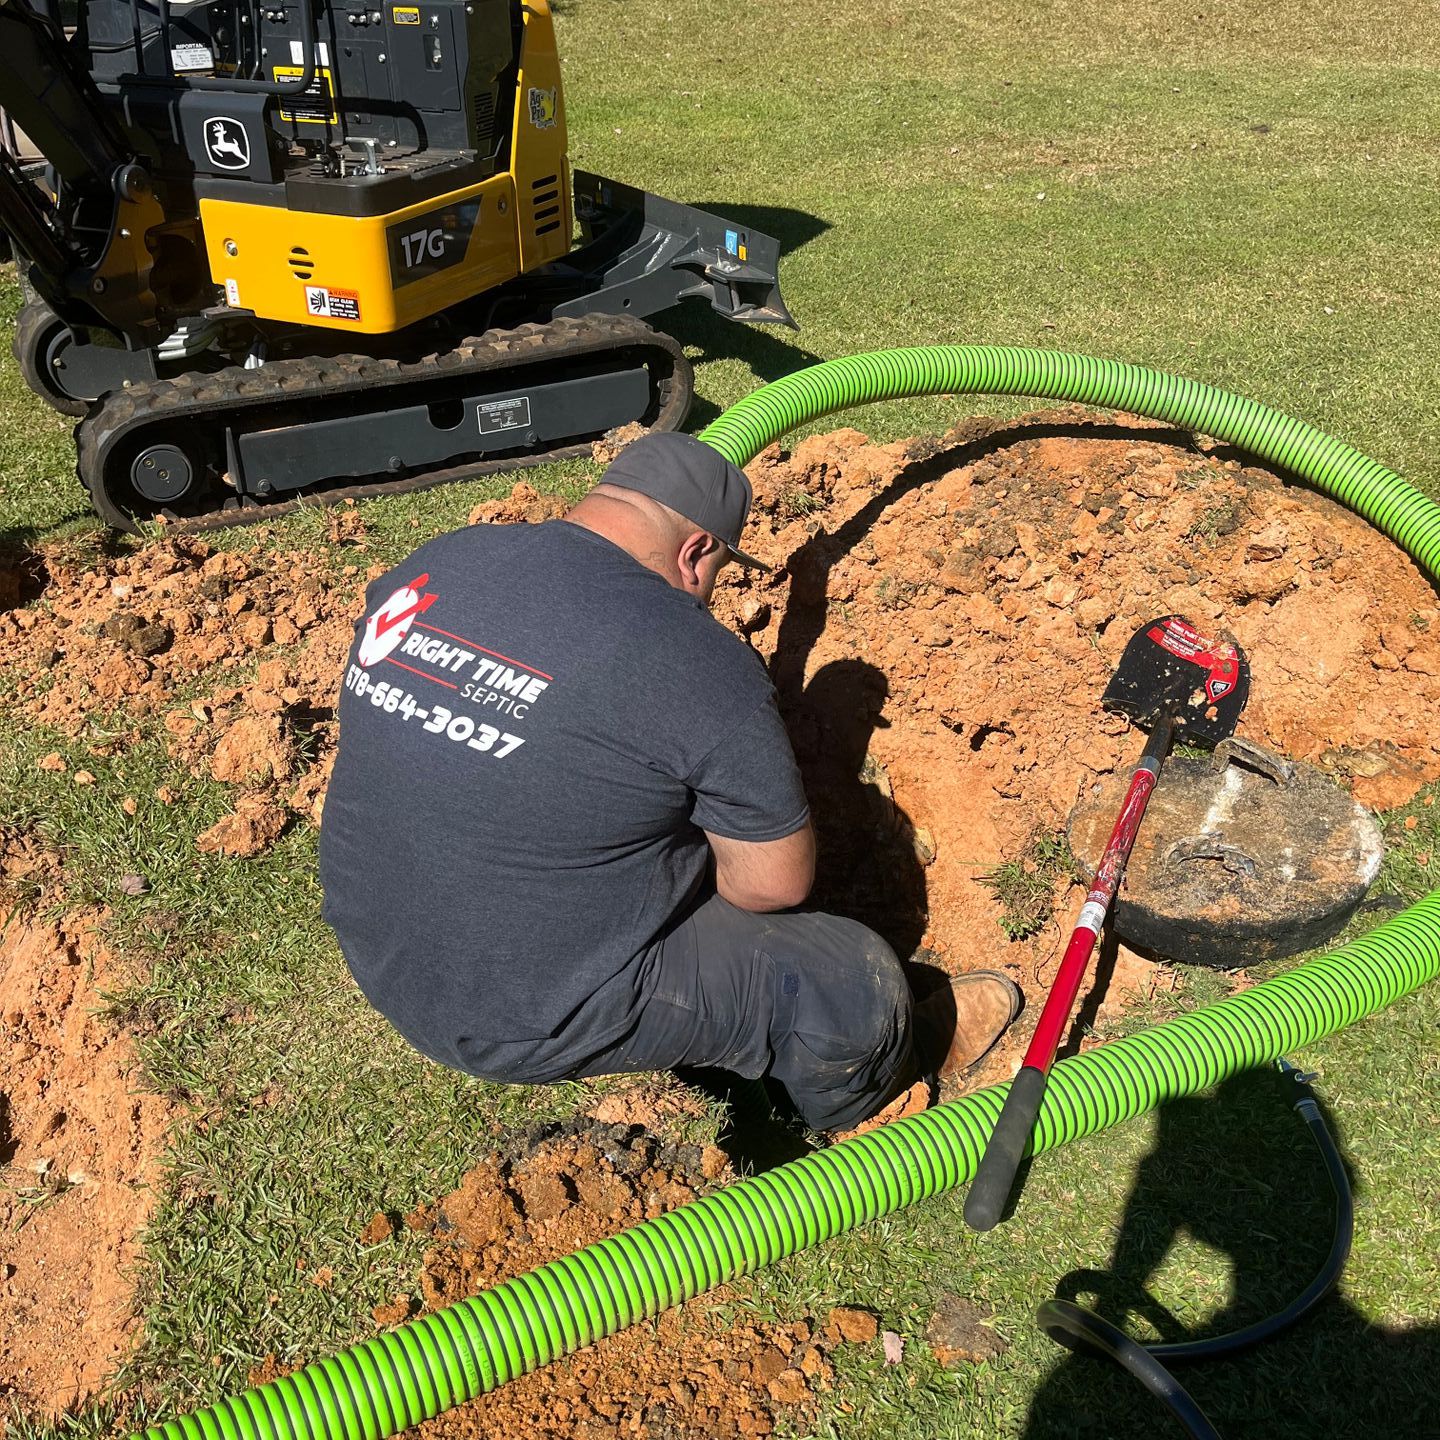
x: 984, y: 732
x: 24, y: 577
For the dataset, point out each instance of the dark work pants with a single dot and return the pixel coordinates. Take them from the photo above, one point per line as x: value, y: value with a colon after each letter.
x: 818, y: 1003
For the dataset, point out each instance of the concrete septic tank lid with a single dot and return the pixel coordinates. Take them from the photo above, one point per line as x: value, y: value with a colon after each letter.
x: 1243, y: 856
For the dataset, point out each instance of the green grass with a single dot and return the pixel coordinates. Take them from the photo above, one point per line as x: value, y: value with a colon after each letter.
x: 1246, y: 194
x: 1024, y: 886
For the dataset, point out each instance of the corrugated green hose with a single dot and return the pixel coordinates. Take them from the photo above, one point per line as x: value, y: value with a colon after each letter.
x: 414, y: 1372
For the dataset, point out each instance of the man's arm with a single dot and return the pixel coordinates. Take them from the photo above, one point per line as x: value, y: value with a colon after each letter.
x: 765, y: 874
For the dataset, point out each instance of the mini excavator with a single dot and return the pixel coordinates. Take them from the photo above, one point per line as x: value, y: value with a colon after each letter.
x: 278, y: 250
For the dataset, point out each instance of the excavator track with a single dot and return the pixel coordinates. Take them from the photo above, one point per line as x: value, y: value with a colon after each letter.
x: 239, y: 446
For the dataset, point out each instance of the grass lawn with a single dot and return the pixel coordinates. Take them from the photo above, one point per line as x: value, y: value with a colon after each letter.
x: 1248, y: 194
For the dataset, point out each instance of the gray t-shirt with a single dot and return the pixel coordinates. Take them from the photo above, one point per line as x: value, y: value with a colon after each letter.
x: 534, y: 730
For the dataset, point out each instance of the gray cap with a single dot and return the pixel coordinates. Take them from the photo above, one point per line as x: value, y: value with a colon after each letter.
x: 693, y: 479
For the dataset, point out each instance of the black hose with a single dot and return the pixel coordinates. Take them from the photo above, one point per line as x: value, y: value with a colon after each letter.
x: 1086, y: 1333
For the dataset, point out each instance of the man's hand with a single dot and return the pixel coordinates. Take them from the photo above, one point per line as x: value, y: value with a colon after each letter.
x: 765, y: 874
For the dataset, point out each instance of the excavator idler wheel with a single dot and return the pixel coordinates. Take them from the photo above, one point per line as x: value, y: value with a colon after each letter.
x: 41, y: 341
x: 169, y: 478
x: 162, y: 473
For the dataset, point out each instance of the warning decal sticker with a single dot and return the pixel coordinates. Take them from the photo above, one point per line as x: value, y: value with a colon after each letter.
x: 325, y: 300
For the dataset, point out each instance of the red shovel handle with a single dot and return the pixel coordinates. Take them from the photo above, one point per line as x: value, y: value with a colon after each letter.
x: 1006, y: 1147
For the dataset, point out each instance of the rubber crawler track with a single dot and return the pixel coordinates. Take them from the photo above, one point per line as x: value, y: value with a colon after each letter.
x: 237, y: 394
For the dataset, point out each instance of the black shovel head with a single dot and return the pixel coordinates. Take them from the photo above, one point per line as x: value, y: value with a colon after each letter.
x: 1170, y: 668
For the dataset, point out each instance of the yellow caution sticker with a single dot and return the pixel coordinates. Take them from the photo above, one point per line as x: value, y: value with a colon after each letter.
x: 405, y: 14
x: 316, y: 105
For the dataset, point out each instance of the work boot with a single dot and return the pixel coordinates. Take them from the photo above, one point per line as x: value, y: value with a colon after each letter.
x: 961, y: 1022
x: 955, y: 1028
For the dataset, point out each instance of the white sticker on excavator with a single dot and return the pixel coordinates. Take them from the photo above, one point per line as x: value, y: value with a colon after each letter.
x: 504, y: 414
x: 191, y: 57
x: 232, y: 293
x: 331, y: 303
x: 297, y: 53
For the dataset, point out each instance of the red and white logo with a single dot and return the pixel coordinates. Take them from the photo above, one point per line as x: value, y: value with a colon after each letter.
x: 1220, y: 660
x: 391, y: 622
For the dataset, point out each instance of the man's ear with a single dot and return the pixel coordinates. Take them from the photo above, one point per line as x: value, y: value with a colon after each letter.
x: 693, y: 549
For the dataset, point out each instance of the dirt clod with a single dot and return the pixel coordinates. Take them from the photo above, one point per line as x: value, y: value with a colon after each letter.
x: 959, y: 1333
x: 379, y: 1227
x: 250, y: 829
x: 853, y: 1324
x: 393, y: 1312
x: 605, y: 449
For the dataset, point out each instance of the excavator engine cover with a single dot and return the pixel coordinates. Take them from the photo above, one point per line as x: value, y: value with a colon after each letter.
x: 1243, y: 857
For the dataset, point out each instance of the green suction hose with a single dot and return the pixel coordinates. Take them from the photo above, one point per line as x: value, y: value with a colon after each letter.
x: 412, y: 1373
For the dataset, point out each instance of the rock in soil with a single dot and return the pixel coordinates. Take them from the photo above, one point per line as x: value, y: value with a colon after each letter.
x: 852, y: 1324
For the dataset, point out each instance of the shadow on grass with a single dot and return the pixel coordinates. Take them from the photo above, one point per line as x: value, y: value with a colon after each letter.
x: 762, y: 1129
x: 1236, y: 1171
x: 27, y: 551
x: 769, y: 351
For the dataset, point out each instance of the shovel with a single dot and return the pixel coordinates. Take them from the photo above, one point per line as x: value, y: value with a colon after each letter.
x: 1176, y: 684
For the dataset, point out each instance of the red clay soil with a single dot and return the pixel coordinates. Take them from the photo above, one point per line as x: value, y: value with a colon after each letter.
x: 705, y: 1370
x: 80, y: 1143
x: 940, y: 624
x: 944, y: 620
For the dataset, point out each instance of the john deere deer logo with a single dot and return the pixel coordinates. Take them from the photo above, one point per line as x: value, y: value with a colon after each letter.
x: 226, y: 143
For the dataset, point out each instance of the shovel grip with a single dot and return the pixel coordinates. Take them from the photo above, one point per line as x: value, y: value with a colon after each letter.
x: 996, y: 1176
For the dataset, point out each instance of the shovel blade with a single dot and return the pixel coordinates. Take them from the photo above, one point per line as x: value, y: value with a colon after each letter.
x: 1170, y: 668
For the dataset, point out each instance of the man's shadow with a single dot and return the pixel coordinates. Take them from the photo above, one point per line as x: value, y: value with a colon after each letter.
x: 1237, y: 1172
x: 867, y: 868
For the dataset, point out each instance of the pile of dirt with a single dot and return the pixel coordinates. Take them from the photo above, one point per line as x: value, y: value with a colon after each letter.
x: 702, y: 1370
x: 943, y: 618
x: 80, y: 1144
x: 975, y: 590
x: 132, y: 634
x: 940, y: 623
